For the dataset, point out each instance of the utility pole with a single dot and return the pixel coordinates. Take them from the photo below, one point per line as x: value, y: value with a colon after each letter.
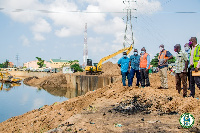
x: 17, y: 58
x: 128, y: 36
x: 85, y: 50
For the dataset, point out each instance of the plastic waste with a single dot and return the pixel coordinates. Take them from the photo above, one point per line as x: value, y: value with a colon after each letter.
x: 118, y: 125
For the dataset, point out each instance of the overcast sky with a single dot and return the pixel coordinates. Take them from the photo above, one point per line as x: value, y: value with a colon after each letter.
x: 55, y: 28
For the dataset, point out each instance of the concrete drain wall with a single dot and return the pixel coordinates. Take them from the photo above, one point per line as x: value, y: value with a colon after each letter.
x: 85, y: 83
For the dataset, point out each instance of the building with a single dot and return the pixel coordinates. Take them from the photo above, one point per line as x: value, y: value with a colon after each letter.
x: 58, y: 63
x: 34, y: 65
x: 11, y: 65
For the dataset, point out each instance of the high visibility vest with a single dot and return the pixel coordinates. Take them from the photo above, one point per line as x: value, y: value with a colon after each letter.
x: 196, y: 56
x: 162, y: 56
x: 143, y: 61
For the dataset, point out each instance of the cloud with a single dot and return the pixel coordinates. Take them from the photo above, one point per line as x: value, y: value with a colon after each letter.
x: 25, y: 41
x: 41, y: 26
x: 39, y: 37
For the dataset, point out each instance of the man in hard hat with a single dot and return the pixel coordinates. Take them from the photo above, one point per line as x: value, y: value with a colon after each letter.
x: 163, y: 58
x: 125, y: 70
x: 194, y: 64
x: 144, y: 68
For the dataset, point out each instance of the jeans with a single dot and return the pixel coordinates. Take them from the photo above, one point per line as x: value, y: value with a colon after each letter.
x: 124, y: 75
x: 132, y: 74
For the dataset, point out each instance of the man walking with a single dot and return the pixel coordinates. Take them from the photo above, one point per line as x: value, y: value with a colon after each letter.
x: 163, y: 58
x: 124, y: 64
x: 134, y: 63
x: 194, y: 64
x: 181, y: 69
x: 144, y: 67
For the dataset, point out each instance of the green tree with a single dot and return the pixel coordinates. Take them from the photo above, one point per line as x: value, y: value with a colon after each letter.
x: 40, y: 62
x: 172, y: 60
x: 154, y: 61
x: 76, y: 67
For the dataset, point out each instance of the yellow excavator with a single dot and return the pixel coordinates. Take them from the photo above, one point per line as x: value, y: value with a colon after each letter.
x: 97, y: 67
x: 7, y: 77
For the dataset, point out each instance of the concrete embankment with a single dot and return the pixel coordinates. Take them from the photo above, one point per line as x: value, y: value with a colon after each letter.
x: 82, y: 83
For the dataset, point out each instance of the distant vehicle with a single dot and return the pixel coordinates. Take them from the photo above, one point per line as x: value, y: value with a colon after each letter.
x: 54, y: 70
x: 46, y: 70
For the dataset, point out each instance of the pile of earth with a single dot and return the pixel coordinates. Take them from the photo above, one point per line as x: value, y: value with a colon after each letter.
x: 56, y: 80
x: 111, y: 69
x: 97, y: 111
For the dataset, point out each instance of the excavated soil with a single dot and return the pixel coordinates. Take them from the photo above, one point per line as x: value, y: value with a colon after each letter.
x: 113, y: 108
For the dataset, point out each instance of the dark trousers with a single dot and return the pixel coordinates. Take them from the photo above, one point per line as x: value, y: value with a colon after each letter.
x: 132, y: 74
x: 181, y: 77
x: 124, y: 75
x: 193, y: 80
x: 188, y: 75
x: 144, y: 77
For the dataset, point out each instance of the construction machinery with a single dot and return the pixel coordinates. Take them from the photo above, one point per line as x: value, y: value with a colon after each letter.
x: 97, y: 67
x: 7, y: 77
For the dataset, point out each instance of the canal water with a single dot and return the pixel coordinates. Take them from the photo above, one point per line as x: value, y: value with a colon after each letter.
x: 17, y: 99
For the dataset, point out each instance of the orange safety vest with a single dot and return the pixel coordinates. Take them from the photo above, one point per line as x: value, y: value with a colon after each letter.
x: 162, y: 56
x: 143, y: 61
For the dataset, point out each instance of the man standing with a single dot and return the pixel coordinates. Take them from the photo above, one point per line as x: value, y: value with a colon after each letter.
x: 187, y: 50
x: 194, y: 64
x: 181, y: 69
x: 134, y: 63
x: 163, y: 58
x: 124, y: 64
x: 144, y: 67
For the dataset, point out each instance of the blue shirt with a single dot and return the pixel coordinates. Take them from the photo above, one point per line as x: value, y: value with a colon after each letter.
x: 124, y: 62
x: 168, y: 54
x: 135, y: 61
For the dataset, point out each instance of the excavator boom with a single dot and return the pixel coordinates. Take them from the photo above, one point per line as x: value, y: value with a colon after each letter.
x: 113, y: 55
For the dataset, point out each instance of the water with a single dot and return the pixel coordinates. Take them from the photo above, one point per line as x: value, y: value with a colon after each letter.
x: 16, y: 99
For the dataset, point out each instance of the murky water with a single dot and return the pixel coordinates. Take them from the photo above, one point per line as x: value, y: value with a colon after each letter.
x: 17, y: 99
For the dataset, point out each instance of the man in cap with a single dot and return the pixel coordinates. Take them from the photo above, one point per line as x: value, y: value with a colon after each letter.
x: 135, y: 63
x: 181, y: 69
x: 144, y: 68
x: 163, y: 58
x: 124, y: 64
x: 194, y: 64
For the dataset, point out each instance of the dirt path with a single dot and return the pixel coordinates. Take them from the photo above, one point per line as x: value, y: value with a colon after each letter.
x: 99, y: 111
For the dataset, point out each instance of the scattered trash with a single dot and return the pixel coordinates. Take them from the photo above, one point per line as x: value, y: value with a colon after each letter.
x: 197, y: 98
x: 92, y: 123
x: 118, y: 125
x: 142, y: 119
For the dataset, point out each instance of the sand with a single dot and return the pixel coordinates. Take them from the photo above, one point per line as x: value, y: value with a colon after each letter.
x: 107, y: 110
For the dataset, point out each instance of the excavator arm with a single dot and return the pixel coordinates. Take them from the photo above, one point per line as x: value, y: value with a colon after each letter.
x: 99, y: 66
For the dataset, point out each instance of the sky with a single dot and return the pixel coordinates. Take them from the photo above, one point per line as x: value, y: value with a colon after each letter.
x: 54, y: 29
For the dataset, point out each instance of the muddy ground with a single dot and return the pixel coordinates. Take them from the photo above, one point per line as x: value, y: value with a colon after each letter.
x: 113, y: 108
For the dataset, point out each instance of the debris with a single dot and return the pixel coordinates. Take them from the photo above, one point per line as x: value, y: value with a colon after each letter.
x: 118, y: 125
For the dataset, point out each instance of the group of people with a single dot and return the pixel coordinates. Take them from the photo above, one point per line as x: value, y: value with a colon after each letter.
x: 187, y: 63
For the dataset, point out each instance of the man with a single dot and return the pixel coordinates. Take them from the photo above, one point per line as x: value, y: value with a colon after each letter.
x: 194, y: 64
x: 187, y: 50
x: 181, y: 69
x: 124, y: 64
x: 144, y: 68
x: 134, y: 63
x: 163, y: 58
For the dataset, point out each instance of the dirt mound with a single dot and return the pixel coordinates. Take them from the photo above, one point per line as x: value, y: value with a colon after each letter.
x: 111, y: 69
x: 54, y: 81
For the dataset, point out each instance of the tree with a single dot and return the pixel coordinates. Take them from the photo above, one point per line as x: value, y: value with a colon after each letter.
x: 154, y: 61
x: 76, y: 67
x: 40, y: 62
